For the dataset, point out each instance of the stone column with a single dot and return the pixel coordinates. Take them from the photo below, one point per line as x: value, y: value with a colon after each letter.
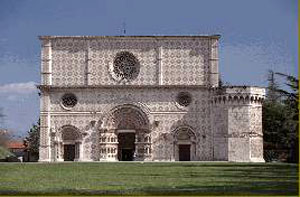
x: 60, y: 151
x: 114, y: 147
x: 80, y: 146
x: 78, y: 151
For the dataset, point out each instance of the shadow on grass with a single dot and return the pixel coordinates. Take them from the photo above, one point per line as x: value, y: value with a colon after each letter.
x: 206, y: 179
x: 259, y: 188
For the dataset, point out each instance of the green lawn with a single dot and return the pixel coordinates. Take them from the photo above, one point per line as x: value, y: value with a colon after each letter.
x: 191, y: 178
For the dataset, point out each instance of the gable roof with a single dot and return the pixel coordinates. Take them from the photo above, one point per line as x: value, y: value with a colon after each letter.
x: 15, y: 145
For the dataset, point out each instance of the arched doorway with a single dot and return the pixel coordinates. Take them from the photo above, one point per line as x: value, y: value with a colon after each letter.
x: 185, y: 144
x: 128, y: 127
x: 71, y: 143
x: 126, y: 146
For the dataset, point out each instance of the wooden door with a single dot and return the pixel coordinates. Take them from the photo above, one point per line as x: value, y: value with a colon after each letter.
x: 126, y: 146
x: 69, y: 152
x: 184, y: 152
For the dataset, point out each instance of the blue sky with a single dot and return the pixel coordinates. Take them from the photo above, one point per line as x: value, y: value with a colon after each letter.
x: 257, y: 35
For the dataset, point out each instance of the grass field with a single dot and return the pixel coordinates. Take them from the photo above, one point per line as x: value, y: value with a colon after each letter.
x: 197, y: 178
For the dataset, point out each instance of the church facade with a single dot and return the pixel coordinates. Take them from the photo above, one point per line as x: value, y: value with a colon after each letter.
x: 143, y: 98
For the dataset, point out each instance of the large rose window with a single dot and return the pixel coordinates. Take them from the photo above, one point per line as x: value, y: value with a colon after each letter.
x: 126, y: 66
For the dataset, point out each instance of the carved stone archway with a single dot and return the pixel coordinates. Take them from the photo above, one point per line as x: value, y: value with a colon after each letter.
x: 68, y: 140
x: 184, y: 144
x: 130, y: 122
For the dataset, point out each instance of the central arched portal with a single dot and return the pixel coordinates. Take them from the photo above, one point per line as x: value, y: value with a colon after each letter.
x: 126, y: 135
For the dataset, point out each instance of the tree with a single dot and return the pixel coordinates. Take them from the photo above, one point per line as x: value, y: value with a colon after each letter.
x: 220, y: 82
x: 280, y: 119
x: 293, y: 84
x: 4, y: 137
x: 32, y: 141
x: 291, y: 125
x: 4, y: 134
x: 1, y: 116
x: 272, y: 93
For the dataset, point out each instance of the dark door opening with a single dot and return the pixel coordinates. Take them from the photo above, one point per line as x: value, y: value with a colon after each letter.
x: 69, y: 152
x: 184, y: 152
x: 127, y: 154
x: 126, y: 146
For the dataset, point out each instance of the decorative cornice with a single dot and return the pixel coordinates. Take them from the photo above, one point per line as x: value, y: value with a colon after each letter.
x: 216, y: 36
x: 52, y: 87
x: 239, y: 94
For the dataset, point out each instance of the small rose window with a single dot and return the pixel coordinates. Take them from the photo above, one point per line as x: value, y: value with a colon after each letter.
x: 184, y: 99
x: 69, y: 100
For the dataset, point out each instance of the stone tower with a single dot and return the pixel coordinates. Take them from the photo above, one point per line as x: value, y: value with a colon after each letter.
x: 237, y: 117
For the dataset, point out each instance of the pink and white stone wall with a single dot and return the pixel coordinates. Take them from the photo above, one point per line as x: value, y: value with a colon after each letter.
x: 220, y: 124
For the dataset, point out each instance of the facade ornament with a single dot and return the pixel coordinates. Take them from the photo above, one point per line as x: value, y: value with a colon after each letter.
x: 153, y: 98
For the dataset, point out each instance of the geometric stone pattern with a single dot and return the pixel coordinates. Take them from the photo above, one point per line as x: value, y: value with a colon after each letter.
x: 220, y: 123
x: 169, y: 61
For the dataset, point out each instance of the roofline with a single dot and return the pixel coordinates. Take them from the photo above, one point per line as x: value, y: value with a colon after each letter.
x: 119, y: 86
x: 142, y: 86
x: 216, y: 36
x: 242, y: 86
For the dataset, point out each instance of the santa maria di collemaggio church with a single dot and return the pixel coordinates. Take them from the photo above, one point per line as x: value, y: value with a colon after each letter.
x: 143, y: 98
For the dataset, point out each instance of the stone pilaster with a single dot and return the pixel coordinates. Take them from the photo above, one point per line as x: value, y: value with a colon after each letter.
x: 213, y: 63
x: 88, y: 64
x: 44, y: 150
x: 46, y: 63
